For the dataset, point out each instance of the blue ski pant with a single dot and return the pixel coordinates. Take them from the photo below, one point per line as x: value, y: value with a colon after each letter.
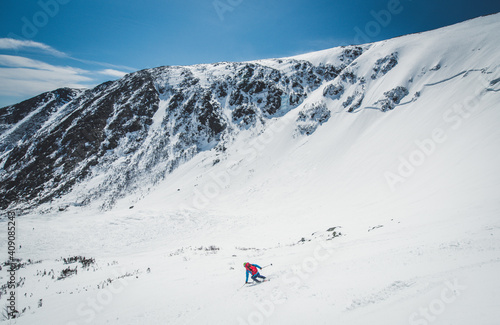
x: 257, y: 275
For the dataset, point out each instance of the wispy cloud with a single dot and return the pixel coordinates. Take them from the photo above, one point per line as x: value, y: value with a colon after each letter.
x: 14, y: 44
x: 21, y: 76
x: 18, y: 45
x: 12, y: 61
x: 105, y: 65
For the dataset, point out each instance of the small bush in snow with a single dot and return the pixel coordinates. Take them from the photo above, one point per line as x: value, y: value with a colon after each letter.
x: 312, y: 117
x: 393, y: 98
x: 333, y: 91
x: 384, y: 65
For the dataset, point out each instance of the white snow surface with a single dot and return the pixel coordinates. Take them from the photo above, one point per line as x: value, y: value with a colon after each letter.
x: 412, y: 191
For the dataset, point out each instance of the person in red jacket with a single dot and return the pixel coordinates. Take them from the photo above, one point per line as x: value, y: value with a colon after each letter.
x: 252, y: 270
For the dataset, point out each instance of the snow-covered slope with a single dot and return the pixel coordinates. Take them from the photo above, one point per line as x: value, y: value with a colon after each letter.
x: 366, y: 175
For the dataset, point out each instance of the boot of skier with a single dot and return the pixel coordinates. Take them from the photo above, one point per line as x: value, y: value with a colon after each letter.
x: 252, y: 270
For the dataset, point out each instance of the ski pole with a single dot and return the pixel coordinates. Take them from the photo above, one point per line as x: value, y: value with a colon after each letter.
x: 241, y: 287
x: 268, y: 265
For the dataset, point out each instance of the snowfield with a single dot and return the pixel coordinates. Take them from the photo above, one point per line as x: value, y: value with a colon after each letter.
x: 382, y: 213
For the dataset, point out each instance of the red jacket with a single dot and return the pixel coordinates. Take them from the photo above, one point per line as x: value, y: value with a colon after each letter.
x: 251, y: 269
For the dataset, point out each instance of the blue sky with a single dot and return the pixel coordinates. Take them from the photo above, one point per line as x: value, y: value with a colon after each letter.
x: 47, y: 44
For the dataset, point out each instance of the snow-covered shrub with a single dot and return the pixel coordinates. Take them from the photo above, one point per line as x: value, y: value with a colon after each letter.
x: 349, y: 76
x: 67, y: 273
x: 311, y: 117
x: 333, y: 91
x: 353, y: 102
x: 384, y: 65
x: 351, y: 53
x: 393, y: 98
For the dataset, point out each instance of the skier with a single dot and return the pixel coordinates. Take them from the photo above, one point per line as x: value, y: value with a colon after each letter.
x: 252, y: 269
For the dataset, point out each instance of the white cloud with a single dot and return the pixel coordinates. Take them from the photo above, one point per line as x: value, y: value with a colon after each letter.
x: 14, y: 44
x: 12, y: 61
x: 112, y: 72
x: 20, y: 76
x: 104, y: 64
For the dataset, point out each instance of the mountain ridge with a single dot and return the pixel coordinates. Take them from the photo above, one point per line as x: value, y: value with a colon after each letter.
x: 126, y: 135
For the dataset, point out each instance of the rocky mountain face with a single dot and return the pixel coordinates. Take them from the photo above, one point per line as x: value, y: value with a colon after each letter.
x: 138, y: 129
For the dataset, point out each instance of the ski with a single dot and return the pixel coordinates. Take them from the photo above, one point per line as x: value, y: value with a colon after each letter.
x: 257, y: 282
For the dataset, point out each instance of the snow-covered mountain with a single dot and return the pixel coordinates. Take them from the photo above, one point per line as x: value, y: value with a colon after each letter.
x: 131, y: 133
x: 128, y: 135
x: 367, y: 175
